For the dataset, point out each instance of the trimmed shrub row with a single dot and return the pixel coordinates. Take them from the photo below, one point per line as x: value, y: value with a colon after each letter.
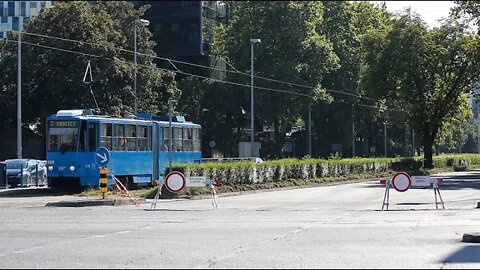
x: 287, y: 169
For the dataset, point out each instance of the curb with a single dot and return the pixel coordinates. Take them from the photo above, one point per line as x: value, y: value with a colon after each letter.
x: 22, y: 191
x: 471, y: 238
x: 96, y: 202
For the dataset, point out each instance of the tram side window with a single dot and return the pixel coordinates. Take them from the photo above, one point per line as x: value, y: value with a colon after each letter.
x: 166, y: 139
x: 150, y: 138
x: 177, y: 139
x: 187, y: 139
x: 106, y: 135
x: 142, y: 138
x: 197, y: 140
x: 92, y: 137
x: 119, y: 137
x: 130, y: 137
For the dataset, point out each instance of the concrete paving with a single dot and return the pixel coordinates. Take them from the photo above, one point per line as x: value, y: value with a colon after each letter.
x: 329, y: 227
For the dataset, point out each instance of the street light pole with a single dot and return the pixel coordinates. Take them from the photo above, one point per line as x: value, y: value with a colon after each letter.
x: 309, y: 130
x: 413, y: 141
x: 478, y: 128
x: 353, y: 130
x: 135, y: 67
x: 252, y: 138
x: 19, y: 96
x: 170, y: 101
x: 385, y: 137
x: 138, y: 22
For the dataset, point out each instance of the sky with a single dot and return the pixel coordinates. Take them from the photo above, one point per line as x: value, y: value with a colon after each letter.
x: 430, y: 11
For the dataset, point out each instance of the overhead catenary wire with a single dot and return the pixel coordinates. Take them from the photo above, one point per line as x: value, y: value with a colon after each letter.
x: 202, y: 66
x: 181, y: 72
x: 164, y: 69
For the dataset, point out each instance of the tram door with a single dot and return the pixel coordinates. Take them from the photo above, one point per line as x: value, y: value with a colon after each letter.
x: 92, y: 137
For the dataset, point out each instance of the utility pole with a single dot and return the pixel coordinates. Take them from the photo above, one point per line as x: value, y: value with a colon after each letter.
x: 385, y: 137
x: 19, y: 96
x: 170, y: 101
x: 137, y: 22
x: 310, y: 129
x: 478, y: 129
x: 413, y: 141
x: 353, y: 130
x: 252, y: 104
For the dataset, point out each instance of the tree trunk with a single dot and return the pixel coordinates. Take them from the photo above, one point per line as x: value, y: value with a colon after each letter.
x: 427, y: 148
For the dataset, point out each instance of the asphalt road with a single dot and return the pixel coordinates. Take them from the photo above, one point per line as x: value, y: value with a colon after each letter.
x: 338, y: 226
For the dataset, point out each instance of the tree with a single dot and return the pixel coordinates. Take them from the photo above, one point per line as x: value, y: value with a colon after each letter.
x: 345, y: 25
x: 212, y: 104
x: 52, y: 78
x: 468, y: 11
x: 291, y: 50
x: 425, y: 72
x: 454, y: 133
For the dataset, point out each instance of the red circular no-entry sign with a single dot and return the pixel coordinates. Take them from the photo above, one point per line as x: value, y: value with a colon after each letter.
x: 401, y: 181
x: 175, y: 182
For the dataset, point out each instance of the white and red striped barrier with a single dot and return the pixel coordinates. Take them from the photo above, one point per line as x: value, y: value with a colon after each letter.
x: 383, y: 181
x: 401, y: 182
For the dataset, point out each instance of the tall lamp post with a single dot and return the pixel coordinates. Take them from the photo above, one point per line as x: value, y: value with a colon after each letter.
x: 137, y: 22
x: 170, y: 147
x: 19, y: 96
x: 252, y: 138
x: 385, y: 137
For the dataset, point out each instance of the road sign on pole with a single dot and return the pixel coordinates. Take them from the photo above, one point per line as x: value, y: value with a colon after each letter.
x: 102, y: 156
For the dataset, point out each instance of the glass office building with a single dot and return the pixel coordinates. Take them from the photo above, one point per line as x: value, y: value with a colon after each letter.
x: 15, y: 14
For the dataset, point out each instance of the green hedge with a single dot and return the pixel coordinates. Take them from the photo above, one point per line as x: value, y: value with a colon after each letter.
x: 286, y: 169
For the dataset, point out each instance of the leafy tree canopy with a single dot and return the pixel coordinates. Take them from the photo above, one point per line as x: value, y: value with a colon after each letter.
x: 53, y: 69
x: 425, y: 72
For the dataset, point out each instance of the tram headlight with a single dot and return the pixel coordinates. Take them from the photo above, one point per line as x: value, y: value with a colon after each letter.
x: 50, y: 168
x: 72, y: 168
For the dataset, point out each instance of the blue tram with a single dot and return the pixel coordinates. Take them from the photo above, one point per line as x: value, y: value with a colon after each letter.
x: 138, y: 146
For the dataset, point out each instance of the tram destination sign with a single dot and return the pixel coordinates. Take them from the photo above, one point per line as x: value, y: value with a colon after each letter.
x: 63, y: 124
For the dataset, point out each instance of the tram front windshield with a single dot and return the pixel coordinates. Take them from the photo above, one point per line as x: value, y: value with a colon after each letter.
x: 62, y: 135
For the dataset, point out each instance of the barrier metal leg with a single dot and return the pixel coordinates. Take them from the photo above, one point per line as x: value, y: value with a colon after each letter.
x: 440, y: 196
x: 213, y: 195
x: 435, y: 190
x: 386, y: 195
x: 157, y: 196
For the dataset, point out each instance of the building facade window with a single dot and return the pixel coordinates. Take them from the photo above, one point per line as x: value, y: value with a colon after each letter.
x: 15, y: 23
x: 23, y: 8
x: 11, y: 8
x: 14, y: 15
